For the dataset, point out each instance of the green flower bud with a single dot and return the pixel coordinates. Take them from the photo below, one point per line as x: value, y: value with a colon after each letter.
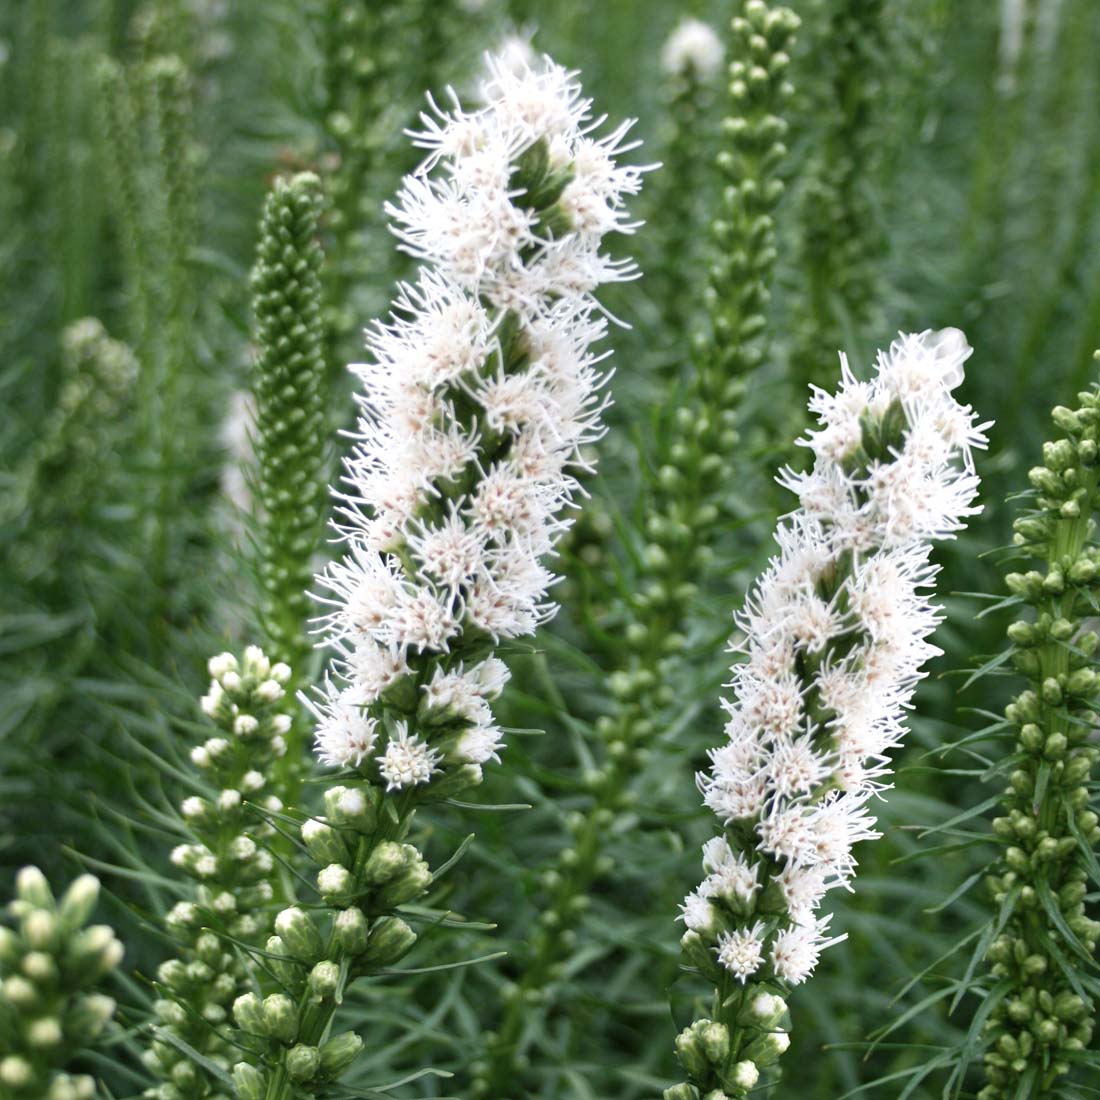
x: 695, y: 1044
x: 16, y: 1072
x: 410, y: 884
x: 31, y: 887
x: 339, y: 1052
x: 351, y: 931
x: 681, y: 1092
x: 334, y: 882
x: 248, y: 1081
x: 78, y: 904
x: 39, y: 967
x: 324, y: 979
x: 744, y: 1075
x: 698, y: 953
x: 11, y: 946
x: 286, y: 971
x: 300, y: 935
x: 1066, y: 419
x: 44, y: 1033
x: 88, y: 1017
x: 95, y: 951
x: 353, y: 807
x: 390, y: 940
x: 249, y: 1014
x: 303, y: 1063
x: 280, y: 1017
x: 387, y: 861
x: 40, y: 929
x: 325, y: 844
x: 763, y: 1012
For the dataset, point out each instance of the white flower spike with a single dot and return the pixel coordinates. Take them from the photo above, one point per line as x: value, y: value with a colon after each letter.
x: 478, y: 394
x: 834, y: 636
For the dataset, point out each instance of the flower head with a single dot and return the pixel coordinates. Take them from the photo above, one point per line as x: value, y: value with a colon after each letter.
x: 693, y: 49
x: 479, y: 393
x: 833, y: 639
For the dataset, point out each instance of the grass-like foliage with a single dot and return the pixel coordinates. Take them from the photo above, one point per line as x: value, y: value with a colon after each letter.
x: 376, y: 538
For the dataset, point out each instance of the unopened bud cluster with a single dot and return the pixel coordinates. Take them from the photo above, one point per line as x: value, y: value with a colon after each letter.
x: 315, y: 953
x: 692, y: 62
x: 227, y: 859
x: 744, y: 233
x: 75, y: 448
x: 50, y: 965
x: 1048, y: 823
x: 288, y: 381
x: 719, y: 1066
x: 840, y: 225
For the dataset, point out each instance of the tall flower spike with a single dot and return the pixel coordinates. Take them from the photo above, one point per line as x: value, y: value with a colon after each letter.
x: 225, y: 855
x: 480, y: 392
x: 288, y: 381
x: 834, y: 636
x: 50, y: 966
x: 840, y: 226
x: 691, y: 61
x: 1048, y: 822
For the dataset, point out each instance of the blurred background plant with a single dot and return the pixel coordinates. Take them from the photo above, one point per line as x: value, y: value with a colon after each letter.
x: 941, y: 167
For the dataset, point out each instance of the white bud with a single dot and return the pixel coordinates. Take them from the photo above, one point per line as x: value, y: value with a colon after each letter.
x: 745, y: 1075
x: 193, y: 807
x: 269, y: 691
x: 242, y: 849
x: 212, y: 700
x: 221, y: 664
x: 257, y: 662
x: 229, y: 800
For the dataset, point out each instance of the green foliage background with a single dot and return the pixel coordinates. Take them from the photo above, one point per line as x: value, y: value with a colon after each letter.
x: 928, y: 186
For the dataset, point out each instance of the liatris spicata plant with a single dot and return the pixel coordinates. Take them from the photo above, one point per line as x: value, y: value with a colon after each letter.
x: 73, y: 452
x: 841, y: 234
x: 692, y: 60
x: 744, y: 231
x: 288, y: 381
x: 1042, y: 943
x: 481, y: 390
x: 363, y: 93
x: 835, y: 637
x: 50, y: 967
x: 227, y: 857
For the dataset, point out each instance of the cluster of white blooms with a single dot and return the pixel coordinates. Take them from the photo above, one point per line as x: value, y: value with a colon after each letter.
x: 834, y: 637
x: 480, y: 392
x: 693, y: 49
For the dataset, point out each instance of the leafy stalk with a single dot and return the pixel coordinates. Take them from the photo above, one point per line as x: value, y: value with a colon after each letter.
x: 1041, y: 998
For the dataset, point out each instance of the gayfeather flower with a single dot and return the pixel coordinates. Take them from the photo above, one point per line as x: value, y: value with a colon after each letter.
x: 834, y: 640
x: 479, y: 393
x: 695, y: 48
